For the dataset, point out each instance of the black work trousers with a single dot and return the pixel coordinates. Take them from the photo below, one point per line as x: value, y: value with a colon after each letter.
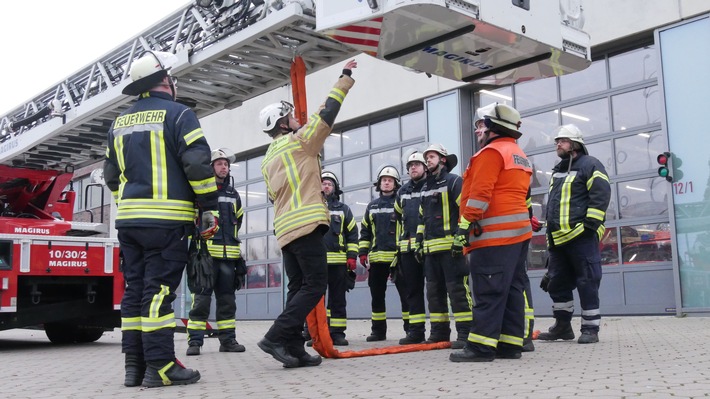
x: 447, y: 274
x: 337, y: 305
x: 154, y: 261
x: 377, y: 281
x: 413, y: 275
x: 224, y: 270
x: 305, y: 263
x: 498, y: 276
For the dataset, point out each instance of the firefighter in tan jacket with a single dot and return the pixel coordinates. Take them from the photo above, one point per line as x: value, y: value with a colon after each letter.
x: 292, y: 171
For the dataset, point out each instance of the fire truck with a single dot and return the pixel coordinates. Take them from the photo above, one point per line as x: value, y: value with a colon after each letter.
x: 229, y: 51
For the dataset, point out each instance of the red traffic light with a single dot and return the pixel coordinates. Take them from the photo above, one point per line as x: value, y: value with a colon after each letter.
x: 664, y: 171
x: 663, y: 158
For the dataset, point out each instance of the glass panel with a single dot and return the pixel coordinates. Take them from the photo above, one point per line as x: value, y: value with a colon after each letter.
x: 538, y: 206
x: 638, y: 153
x: 238, y: 171
x: 385, y: 132
x: 542, y: 168
x: 381, y: 159
x: 274, y: 249
x: 331, y: 148
x: 633, y: 66
x: 356, y: 140
x: 256, y: 193
x: 256, y: 276
x: 356, y: 171
x: 646, y: 243
x: 413, y: 125
x: 592, y: 117
x: 275, y: 275
x: 644, y: 197
x: 504, y: 95
x: 538, y: 131
x: 609, y: 247
x: 270, y: 218
x: 590, y: 80
x: 257, y: 221
x: 256, y: 248
x: 537, y: 252
x: 637, y: 108
x: 357, y: 201
x: 602, y: 152
x: 254, y: 167
x: 535, y: 93
x: 443, y: 125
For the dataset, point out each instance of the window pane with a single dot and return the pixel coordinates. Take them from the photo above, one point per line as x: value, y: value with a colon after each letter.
x: 238, y: 171
x: 542, y: 168
x: 535, y: 93
x: 257, y: 221
x: 356, y: 171
x: 646, y: 243
x: 590, y: 80
x: 381, y: 159
x: 331, y: 148
x: 633, y: 66
x: 256, y: 276
x: 638, y: 153
x: 538, y: 131
x: 270, y: 218
x: 609, y: 247
x: 254, y: 167
x: 592, y: 117
x: 357, y: 201
x: 602, y: 152
x: 537, y: 252
x: 538, y: 201
x: 644, y: 197
x: 504, y: 95
x: 274, y: 249
x: 275, y: 275
x: 356, y: 140
x: 385, y: 132
x: 256, y: 193
x: 413, y: 125
x: 256, y: 248
x: 636, y: 108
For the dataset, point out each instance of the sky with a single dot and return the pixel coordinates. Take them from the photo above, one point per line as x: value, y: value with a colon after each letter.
x: 45, y: 41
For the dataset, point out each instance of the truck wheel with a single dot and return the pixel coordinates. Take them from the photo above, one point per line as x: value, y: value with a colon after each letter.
x: 69, y: 333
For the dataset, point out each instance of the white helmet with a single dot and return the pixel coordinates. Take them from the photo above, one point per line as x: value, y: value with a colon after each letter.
x: 500, y: 119
x: 573, y: 133
x: 391, y: 171
x: 270, y: 115
x: 222, y: 153
x: 451, y: 159
x: 416, y: 157
x: 148, y: 70
x: 326, y: 174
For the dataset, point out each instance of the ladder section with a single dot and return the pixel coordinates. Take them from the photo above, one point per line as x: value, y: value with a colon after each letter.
x: 227, y: 55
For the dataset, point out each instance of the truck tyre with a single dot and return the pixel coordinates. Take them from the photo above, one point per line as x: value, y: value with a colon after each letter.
x: 69, y: 333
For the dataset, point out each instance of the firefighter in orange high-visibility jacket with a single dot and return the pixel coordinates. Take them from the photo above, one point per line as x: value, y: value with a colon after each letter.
x: 493, y: 202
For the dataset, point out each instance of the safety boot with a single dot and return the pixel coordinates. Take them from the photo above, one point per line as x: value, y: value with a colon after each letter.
x: 135, y: 369
x: 193, y: 350
x: 559, y: 330
x: 339, y: 341
x: 438, y: 337
x: 412, y: 338
x: 231, y: 346
x: 528, y: 345
x: 304, y: 359
x: 468, y: 355
x: 375, y: 337
x: 588, y: 337
x: 164, y: 373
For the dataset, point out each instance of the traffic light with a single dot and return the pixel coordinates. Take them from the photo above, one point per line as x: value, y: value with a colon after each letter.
x: 664, y: 160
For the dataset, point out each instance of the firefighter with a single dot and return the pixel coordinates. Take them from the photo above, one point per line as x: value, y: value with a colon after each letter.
x: 406, y: 207
x: 229, y: 266
x: 291, y: 169
x: 342, y: 244
x: 445, y: 273
x: 378, y: 247
x: 157, y: 164
x: 576, y: 211
x: 494, y: 203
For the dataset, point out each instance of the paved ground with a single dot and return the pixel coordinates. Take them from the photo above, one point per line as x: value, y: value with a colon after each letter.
x: 648, y: 357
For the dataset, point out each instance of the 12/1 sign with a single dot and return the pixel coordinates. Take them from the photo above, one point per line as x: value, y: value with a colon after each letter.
x: 680, y: 188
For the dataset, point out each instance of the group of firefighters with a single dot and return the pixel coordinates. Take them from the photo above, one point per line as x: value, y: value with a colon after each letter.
x: 461, y: 240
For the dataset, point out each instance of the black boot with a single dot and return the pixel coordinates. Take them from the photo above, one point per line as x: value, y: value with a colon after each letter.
x: 560, y: 330
x: 164, y: 373
x: 135, y: 369
x: 468, y: 355
x: 412, y: 338
x: 278, y: 351
x: 375, y: 337
x: 231, y: 345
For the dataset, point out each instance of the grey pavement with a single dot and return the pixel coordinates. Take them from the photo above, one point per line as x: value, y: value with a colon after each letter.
x: 647, y: 357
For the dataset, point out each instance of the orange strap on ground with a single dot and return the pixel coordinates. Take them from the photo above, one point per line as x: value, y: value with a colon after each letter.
x: 318, y: 328
x: 298, y: 83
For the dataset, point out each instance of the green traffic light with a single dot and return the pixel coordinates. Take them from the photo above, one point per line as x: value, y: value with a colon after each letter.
x: 663, y: 171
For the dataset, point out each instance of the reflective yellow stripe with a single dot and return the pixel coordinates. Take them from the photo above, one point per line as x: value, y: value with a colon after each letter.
x: 438, y: 317
x: 379, y: 316
x: 131, y: 323
x: 224, y: 251
x: 196, y: 325
x: 162, y: 373
x: 480, y: 339
x: 417, y: 318
x: 337, y: 95
x: 338, y: 322
x: 336, y: 258
x: 226, y: 324
x: 463, y: 316
x: 193, y: 136
x: 205, y: 186
x: 311, y: 127
x: 566, y: 195
x: 596, y: 175
x: 405, y: 315
x: 294, y: 180
x: 593, y: 213
x: 153, y: 324
x: 157, y: 301
x: 300, y: 217
x: 382, y: 256
x: 509, y: 339
x: 159, y: 162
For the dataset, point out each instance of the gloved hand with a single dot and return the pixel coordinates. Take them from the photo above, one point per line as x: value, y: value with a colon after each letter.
x: 351, y: 264
x: 363, y: 261
x: 209, y: 224
x: 545, y: 282
x: 460, y: 241
x: 240, y: 273
x: 394, y: 269
x: 418, y: 249
x: 535, y: 224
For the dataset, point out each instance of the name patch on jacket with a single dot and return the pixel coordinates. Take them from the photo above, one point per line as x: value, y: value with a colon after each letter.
x: 522, y: 161
x: 140, y: 118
